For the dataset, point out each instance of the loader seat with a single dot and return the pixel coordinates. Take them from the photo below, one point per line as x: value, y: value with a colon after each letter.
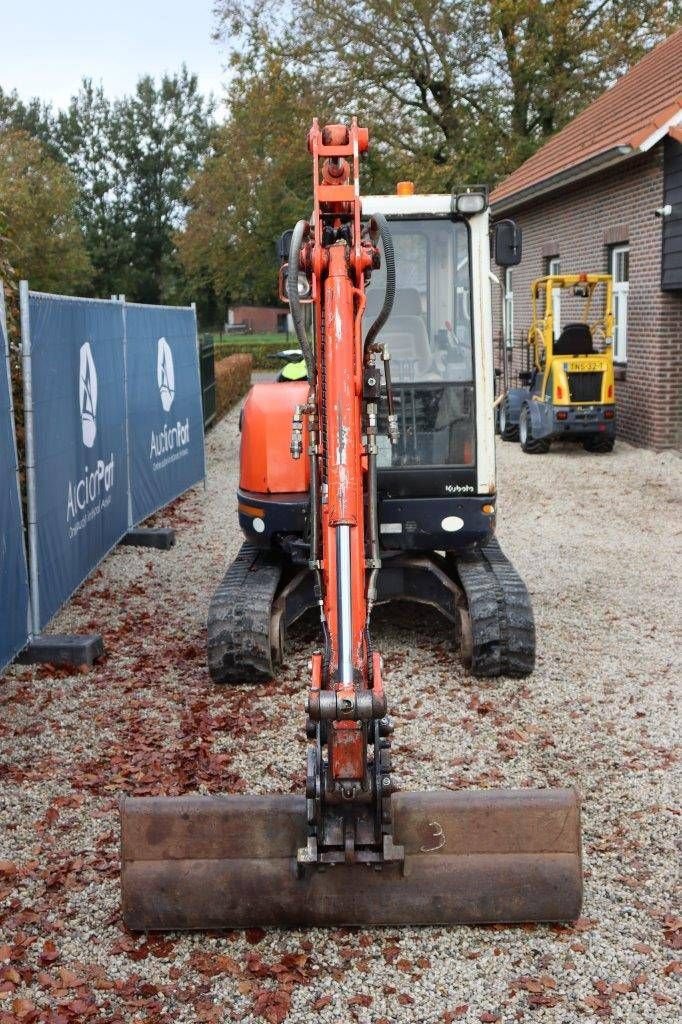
x: 574, y: 340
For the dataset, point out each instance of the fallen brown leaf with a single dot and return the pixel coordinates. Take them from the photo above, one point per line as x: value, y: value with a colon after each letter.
x: 456, y: 1014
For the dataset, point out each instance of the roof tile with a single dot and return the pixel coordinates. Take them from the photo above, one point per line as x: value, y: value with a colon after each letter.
x: 627, y: 114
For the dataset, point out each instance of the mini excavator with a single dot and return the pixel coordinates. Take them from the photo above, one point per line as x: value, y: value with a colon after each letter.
x: 371, y: 480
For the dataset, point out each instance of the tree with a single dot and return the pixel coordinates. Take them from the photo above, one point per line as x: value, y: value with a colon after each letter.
x: 84, y: 135
x: 34, y: 117
x: 555, y: 57
x: 256, y: 184
x: 162, y: 135
x: 451, y: 89
x: 132, y: 159
x: 40, y: 237
x: 81, y: 139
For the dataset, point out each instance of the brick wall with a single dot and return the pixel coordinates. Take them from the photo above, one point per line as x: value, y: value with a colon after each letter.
x: 259, y: 319
x: 579, y: 224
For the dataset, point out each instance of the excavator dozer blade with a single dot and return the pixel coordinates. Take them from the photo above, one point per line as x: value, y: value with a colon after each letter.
x: 207, y: 862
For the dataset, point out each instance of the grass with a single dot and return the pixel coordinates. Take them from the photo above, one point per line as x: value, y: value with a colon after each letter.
x: 238, y: 341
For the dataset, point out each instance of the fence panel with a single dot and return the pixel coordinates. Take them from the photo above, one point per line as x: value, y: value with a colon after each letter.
x: 208, y: 395
x: 165, y: 419
x: 76, y: 459
x: 14, y: 625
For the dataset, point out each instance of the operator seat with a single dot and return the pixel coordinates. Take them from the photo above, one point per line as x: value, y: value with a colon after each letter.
x: 574, y: 340
x: 405, y: 335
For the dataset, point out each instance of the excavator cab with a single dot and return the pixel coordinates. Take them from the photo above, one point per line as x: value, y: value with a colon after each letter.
x: 441, y: 373
x: 435, y: 478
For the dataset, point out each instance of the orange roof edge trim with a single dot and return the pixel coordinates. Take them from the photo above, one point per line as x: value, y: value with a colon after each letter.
x: 650, y: 134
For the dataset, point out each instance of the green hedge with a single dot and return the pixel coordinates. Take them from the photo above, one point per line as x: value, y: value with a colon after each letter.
x: 232, y: 380
x: 259, y: 350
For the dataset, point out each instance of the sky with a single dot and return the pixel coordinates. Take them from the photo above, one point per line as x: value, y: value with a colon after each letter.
x: 48, y: 46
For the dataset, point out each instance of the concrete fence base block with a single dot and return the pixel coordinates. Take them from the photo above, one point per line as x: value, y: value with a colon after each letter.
x: 161, y: 537
x: 63, y: 649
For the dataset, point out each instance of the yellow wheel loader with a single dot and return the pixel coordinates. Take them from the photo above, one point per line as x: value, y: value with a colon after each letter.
x: 569, y: 392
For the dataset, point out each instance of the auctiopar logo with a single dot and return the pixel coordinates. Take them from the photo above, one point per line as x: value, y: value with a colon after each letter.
x: 165, y: 374
x: 88, y: 497
x: 170, y: 443
x: 87, y: 394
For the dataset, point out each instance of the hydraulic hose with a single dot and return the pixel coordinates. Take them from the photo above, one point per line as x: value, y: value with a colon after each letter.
x: 300, y: 235
x: 389, y: 258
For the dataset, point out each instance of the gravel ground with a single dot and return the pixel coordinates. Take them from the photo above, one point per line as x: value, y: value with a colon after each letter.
x: 598, y: 541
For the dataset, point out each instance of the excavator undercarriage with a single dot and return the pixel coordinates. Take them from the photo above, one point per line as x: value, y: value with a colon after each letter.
x: 350, y: 850
x: 479, y: 591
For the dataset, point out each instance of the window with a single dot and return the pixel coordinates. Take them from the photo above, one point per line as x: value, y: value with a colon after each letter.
x: 554, y: 268
x: 508, y: 308
x: 429, y: 331
x: 548, y: 387
x: 429, y: 336
x: 620, y: 271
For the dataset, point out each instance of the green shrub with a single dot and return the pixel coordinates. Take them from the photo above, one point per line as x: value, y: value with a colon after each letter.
x: 232, y: 380
x: 258, y: 350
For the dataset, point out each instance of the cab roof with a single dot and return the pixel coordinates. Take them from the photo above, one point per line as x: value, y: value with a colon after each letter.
x: 408, y: 206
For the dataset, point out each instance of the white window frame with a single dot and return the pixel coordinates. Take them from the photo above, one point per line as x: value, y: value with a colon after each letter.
x: 554, y: 268
x: 621, y: 290
x: 508, y: 308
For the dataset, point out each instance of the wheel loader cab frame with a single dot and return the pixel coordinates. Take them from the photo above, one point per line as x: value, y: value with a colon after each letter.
x: 543, y: 335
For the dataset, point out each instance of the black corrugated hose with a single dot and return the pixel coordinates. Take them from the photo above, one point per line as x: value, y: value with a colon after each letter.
x: 300, y: 235
x: 389, y: 258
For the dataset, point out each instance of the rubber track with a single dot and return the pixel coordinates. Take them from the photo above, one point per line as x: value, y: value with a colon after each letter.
x: 239, y: 649
x: 502, y: 625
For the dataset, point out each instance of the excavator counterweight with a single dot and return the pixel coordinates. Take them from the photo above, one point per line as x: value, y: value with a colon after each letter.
x: 351, y: 850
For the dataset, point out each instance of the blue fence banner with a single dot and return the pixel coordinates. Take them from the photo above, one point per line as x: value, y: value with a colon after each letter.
x: 165, y: 416
x: 14, y: 600
x: 76, y: 455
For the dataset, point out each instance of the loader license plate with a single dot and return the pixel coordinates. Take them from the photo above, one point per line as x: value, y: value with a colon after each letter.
x: 585, y: 365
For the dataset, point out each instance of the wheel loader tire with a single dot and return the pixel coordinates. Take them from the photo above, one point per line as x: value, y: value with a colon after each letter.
x: 241, y: 647
x: 508, y: 431
x: 530, y: 445
x: 598, y: 444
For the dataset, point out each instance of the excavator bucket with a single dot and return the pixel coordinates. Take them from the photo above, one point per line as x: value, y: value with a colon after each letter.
x: 471, y: 857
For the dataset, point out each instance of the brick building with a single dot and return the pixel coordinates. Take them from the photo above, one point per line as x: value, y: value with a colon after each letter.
x: 259, y: 319
x: 605, y: 195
